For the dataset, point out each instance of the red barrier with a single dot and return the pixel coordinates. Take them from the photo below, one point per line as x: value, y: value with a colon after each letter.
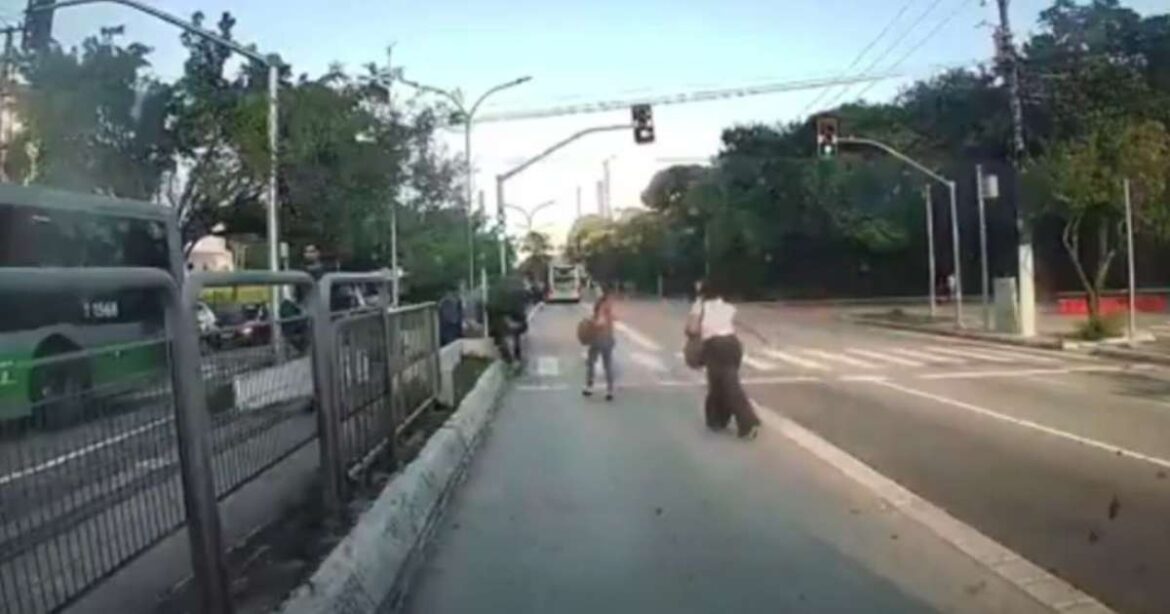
x: 1146, y: 303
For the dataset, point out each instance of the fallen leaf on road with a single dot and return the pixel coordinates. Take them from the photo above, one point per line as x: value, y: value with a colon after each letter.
x: 974, y: 589
x: 1161, y: 475
x: 1114, y: 507
x: 657, y: 511
x: 1093, y: 537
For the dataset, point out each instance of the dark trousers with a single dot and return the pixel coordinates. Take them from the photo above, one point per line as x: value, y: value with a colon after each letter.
x: 725, y: 394
x: 602, y: 347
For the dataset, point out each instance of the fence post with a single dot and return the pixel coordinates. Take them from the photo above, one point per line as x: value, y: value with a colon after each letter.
x: 390, y: 367
x: 192, y: 426
x: 436, y: 361
x: 323, y: 380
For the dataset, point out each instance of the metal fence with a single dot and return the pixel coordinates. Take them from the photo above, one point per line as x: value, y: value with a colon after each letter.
x: 113, y: 448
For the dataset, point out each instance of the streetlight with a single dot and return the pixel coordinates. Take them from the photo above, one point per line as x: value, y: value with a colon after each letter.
x: 395, y: 283
x: 529, y: 216
x: 270, y: 61
x: 468, y: 115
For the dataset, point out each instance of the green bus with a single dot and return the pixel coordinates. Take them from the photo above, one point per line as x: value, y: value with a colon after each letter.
x: 55, y: 347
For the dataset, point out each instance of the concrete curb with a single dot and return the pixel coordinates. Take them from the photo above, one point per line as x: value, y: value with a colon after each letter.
x: 1036, y: 343
x: 368, y: 571
x: 1131, y: 355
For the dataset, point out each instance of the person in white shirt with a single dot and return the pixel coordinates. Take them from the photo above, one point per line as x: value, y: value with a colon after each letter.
x: 722, y: 355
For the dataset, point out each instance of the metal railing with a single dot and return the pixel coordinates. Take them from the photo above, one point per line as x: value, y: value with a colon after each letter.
x: 115, y: 447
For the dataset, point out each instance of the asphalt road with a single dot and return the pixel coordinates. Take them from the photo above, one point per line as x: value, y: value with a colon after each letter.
x: 578, y: 505
x: 1060, y: 457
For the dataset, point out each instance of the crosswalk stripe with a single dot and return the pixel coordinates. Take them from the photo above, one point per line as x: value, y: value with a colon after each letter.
x: 794, y: 360
x: 758, y: 364
x: 965, y: 352
x: 638, y: 338
x: 905, y: 362
x: 842, y: 358
x: 1020, y: 356
x: 928, y: 357
x: 649, y: 361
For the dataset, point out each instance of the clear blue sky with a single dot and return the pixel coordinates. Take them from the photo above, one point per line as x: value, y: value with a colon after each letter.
x: 585, y: 51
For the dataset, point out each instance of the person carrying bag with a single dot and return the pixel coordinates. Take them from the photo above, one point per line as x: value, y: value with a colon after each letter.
x: 721, y: 353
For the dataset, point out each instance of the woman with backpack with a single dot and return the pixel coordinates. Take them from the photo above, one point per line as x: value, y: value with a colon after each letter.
x: 601, y: 343
x: 712, y: 322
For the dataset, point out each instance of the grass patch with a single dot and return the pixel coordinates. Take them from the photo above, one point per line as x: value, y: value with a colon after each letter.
x: 1098, y: 328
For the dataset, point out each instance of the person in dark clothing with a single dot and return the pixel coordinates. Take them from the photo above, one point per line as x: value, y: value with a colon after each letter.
x: 450, y: 319
x: 508, y: 317
x: 722, y: 356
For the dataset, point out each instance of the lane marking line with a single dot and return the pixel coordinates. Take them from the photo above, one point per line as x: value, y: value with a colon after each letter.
x: 650, y: 361
x: 758, y: 364
x: 80, y: 452
x: 646, y: 343
x: 905, y: 362
x: 793, y: 379
x: 927, y: 356
x: 1021, y: 372
x: 862, y: 378
x: 1025, y: 575
x: 1021, y: 422
x: 548, y: 366
x: 848, y: 360
x: 964, y: 352
x: 794, y: 360
x: 1020, y: 356
x: 541, y: 387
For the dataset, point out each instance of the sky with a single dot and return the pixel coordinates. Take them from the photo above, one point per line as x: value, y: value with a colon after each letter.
x: 591, y: 51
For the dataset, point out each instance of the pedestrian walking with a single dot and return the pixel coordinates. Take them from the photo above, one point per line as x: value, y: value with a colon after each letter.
x: 601, y: 343
x: 713, y: 319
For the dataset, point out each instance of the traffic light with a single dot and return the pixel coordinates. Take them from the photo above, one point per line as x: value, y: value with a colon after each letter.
x: 643, y: 118
x: 38, y: 25
x: 827, y: 137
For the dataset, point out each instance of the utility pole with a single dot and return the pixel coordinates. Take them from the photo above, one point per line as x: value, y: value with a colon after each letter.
x: 930, y: 252
x: 5, y: 99
x: 578, y: 204
x: 601, y: 199
x: 984, y: 276
x: 1132, y: 277
x: 1025, y: 271
x: 605, y: 179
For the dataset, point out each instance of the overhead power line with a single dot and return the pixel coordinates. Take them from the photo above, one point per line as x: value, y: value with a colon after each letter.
x: 889, y: 49
x: 859, y: 56
x: 933, y: 32
x: 689, y: 97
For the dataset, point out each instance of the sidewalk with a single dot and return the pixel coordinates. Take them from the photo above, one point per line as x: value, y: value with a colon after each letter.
x: 576, y: 505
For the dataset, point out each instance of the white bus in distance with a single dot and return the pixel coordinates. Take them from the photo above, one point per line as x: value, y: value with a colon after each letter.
x: 565, y: 283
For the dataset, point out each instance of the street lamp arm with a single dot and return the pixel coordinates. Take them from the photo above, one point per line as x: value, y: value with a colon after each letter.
x: 169, y: 18
x: 541, y: 207
x: 848, y: 140
x: 527, y: 215
x: 502, y: 86
x: 558, y: 145
x: 422, y: 87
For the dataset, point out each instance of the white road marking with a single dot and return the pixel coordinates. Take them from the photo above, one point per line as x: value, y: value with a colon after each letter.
x: 862, y: 378
x: 841, y: 358
x: 541, y: 387
x: 758, y: 364
x: 1022, y: 372
x: 966, y: 352
x: 1048, y: 430
x: 548, y: 366
x: 1019, y: 356
x: 80, y: 452
x: 794, y: 379
x: 905, y: 362
x: 794, y: 360
x: 646, y: 343
x: 928, y: 357
x: 650, y: 361
x: 1041, y: 585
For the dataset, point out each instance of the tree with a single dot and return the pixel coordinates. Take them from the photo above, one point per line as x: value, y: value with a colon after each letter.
x: 94, y: 121
x: 538, y: 248
x: 1082, y: 180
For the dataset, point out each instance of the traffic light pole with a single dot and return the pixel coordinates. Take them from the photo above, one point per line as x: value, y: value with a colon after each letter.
x: 958, y: 271
x: 502, y: 177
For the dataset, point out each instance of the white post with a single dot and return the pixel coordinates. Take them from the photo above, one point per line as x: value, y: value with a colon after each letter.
x: 608, y: 203
x: 1132, y: 274
x: 930, y: 253
x: 470, y: 178
x: 958, y: 270
x: 395, y: 288
x: 984, y: 275
x: 503, y: 226
x: 273, y: 205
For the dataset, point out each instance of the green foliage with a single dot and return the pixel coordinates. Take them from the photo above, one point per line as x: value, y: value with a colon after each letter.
x: 1096, y: 328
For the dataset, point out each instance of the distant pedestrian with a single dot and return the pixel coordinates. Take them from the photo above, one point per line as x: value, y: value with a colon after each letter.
x: 450, y: 318
x: 714, y: 319
x: 601, y: 344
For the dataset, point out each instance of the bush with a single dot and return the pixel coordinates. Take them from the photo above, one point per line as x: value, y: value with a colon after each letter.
x: 1099, y: 327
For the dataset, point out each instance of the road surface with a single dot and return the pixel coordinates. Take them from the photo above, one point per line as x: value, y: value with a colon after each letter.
x: 578, y: 505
